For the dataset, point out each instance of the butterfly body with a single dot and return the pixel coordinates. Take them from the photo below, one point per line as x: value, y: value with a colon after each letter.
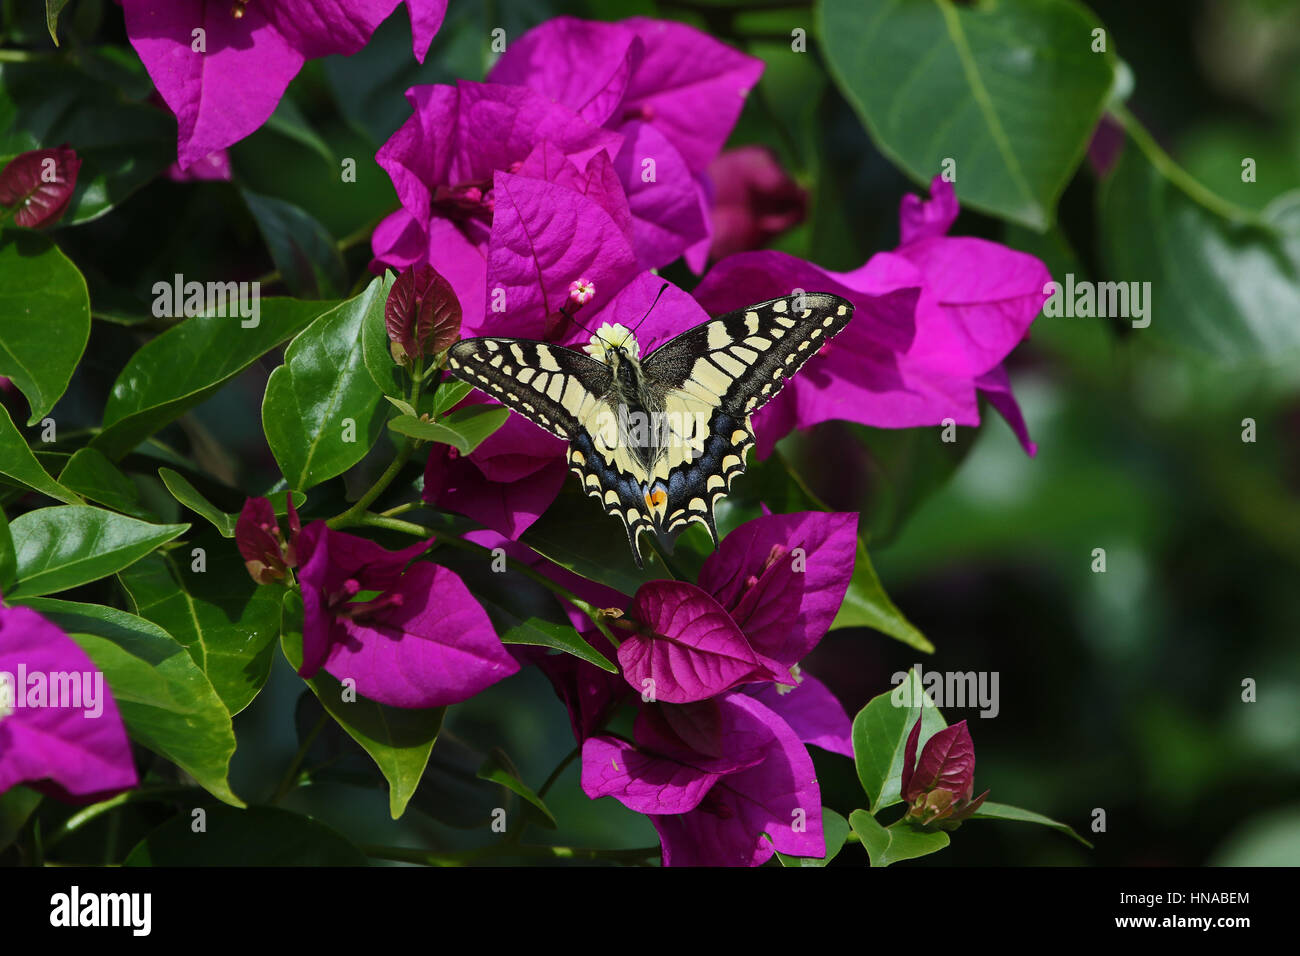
x: 657, y: 440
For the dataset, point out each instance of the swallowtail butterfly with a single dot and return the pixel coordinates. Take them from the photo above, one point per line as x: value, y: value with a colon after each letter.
x: 657, y: 439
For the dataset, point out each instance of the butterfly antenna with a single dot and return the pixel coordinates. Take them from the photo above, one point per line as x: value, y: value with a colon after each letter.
x: 568, y: 315
x: 658, y: 294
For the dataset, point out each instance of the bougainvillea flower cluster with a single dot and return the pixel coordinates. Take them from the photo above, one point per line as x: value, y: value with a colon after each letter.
x: 223, y: 67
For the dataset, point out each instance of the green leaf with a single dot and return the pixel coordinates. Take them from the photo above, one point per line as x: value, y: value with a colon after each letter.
x: 384, y: 372
x: 498, y: 769
x: 465, y: 428
x: 900, y: 841
x: 880, y: 737
x: 836, y: 829
x: 867, y: 605
x: 167, y: 702
x: 1010, y: 90
x: 450, y: 392
x: 289, y: 121
x: 122, y: 144
x: 44, y: 317
x: 398, y: 739
x: 183, y: 491
x: 1001, y: 811
x: 189, y: 496
x: 17, y: 804
x: 8, y: 557
x: 1221, y: 283
x: 18, y: 462
x: 52, y: 10
x: 524, y: 612
x: 90, y: 474
x: 180, y: 368
x: 909, y: 465
x: 302, y: 249
x: 258, y: 836
x: 576, y: 534
x: 69, y: 545
x: 226, y: 622
x: 321, y: 385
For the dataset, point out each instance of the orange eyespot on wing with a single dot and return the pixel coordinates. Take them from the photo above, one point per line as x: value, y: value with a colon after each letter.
x: 656, y: 498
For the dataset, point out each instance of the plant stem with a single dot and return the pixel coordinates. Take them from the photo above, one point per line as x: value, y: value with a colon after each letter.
x: 401, y: 854
x: 360, y: 506
x: 1166, y: 166
x: 288, y: 781
x: 571, y: 756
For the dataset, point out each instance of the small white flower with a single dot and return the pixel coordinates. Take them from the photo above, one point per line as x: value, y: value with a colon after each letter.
x: 610, y: 335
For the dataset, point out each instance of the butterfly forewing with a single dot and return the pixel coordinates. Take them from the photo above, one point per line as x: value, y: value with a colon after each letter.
x: 554, y: 387
x: 740, y: 360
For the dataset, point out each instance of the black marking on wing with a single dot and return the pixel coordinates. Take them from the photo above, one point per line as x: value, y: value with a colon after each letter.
x: 510, y: 370
x: 695, y: 487
x: 749, y: 353
x: 599, y: 479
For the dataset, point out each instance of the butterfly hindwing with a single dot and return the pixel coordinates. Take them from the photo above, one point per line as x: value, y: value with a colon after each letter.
x: 732, y: 366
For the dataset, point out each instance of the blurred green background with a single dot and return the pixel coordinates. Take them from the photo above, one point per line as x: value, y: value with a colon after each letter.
x: 1120, y: 691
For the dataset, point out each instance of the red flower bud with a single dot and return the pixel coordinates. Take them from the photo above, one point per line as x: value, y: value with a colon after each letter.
x: 422, y: 314
x: 38, y: 185
x: 266, y: 553
x: 938, y: 787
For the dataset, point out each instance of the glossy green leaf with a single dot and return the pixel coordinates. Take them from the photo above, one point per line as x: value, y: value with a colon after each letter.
x: 180, y: 368
x: 321, y: 411
x: 1010, y: 91
x: 1001, y: 811
x: 302, y: 249
x: 122, y: 144
x: 880, y: 732
x: 899, y: 841
x: 449, y: 393
x: 1223, y: 285
x: 93, y: 476
x: 68, y: 545
x: 258, y: 836
x: 226, y: 622
x: 836, y: 830
x: 498, y: 769
x: 398, y: 739
x: 18, y: 462
x: 184, y: 492
x: 166, y: 701
x: 867, y: 605
x: 8, y: 557
x: 44, y: 317
x: 463, y: 430
x: 385, y: 373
